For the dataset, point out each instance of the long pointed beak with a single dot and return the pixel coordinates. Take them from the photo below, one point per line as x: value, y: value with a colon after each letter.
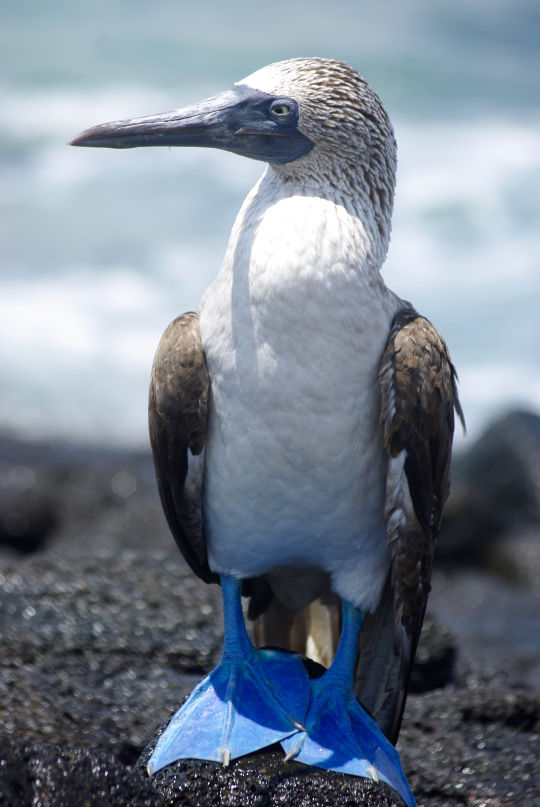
x: 236, y: 120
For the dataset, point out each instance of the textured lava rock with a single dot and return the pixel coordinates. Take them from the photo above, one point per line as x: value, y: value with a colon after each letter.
x: 105, y: 633
x: 495, y: 490
x: 53, y: 494
x: 49, y: 776
x: 474, y: 745
x: 98, y: 649
x: 264, y: 780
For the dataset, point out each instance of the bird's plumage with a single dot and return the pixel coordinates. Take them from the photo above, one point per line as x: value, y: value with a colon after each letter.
x: 285, y: 404
x: 301, y: 424
x: 329, y: 401
x: 418, y: 395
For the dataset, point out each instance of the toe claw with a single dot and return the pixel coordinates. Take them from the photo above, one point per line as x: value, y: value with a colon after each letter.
x: 225, y: 757
x: 373, y: 772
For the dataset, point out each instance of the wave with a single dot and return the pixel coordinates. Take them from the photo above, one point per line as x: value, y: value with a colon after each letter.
x: 76, y: 353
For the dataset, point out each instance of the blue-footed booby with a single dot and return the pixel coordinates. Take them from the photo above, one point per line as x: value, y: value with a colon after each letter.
x: 301, y: 426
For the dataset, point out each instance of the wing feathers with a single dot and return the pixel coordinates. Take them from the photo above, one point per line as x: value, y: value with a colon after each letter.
x: 417, y: 382
x: 177, y: 415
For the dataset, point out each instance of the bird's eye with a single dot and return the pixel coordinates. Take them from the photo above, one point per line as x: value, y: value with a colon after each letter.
x: 280, y: 109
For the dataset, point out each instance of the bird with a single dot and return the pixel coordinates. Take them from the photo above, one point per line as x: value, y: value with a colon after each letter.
x: 301, y: 424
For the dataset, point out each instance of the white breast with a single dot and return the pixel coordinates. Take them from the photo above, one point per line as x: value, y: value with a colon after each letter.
x: 293, y: 329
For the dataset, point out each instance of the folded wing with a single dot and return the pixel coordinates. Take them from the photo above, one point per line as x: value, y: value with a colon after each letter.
x: 177, y: 414
x: 418, y: 391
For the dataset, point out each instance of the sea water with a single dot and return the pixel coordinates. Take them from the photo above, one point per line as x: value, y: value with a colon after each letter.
x: 100, y: 249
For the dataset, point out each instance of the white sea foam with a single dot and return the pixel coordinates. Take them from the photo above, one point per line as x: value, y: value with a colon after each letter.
x: 465, y: 249
x: 76, y: 351
x: 51, y: 113
x: 464, y: 187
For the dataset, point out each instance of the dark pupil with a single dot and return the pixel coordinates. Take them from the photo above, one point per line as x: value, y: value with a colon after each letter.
x: 281, y: 109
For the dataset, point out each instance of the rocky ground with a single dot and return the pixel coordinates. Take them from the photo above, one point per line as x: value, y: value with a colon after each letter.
x: 103, y: 631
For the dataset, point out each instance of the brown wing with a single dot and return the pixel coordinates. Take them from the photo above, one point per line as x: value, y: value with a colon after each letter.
x: 417, y: 383
x: 177, y: 416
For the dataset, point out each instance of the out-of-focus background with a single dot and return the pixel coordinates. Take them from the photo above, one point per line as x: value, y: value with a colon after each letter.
x: 101, y: 249
x: 103, y: 629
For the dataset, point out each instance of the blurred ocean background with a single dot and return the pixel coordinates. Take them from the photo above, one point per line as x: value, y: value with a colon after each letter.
x: 100, y: 249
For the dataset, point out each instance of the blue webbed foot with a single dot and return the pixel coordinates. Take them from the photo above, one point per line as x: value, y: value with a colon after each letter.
x: 339, y: 735
x: 253, y: 698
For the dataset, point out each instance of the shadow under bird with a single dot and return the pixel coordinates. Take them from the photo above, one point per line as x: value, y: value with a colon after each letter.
x: 301, y: 425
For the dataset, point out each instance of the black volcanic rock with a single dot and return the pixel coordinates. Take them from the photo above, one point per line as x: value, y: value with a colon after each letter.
x: 265, y: 780
x: 104, y: 631
x: 50, y: 776
x: 99, y: 650
x: 495, y: 490
x: 54, y: 494
x: 434, y: 664
x: 474, y: 745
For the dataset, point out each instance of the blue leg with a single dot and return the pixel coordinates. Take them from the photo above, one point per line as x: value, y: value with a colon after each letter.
x: 253, y: 698
x: 339, y: 735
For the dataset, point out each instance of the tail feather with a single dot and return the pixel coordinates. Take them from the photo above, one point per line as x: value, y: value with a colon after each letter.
x: 312, y: 631
x: 380, y: 685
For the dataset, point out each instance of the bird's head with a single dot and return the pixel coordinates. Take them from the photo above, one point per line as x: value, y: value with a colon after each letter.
x: 308, y: 117
x: 351, y: 140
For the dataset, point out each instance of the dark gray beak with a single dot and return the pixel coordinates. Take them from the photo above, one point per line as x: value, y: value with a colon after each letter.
x: 241, y: 120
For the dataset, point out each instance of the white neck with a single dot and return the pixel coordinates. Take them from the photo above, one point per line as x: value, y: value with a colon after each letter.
x: 292, y: 225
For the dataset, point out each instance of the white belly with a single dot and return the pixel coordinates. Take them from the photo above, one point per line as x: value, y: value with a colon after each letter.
x: 295, y: 465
